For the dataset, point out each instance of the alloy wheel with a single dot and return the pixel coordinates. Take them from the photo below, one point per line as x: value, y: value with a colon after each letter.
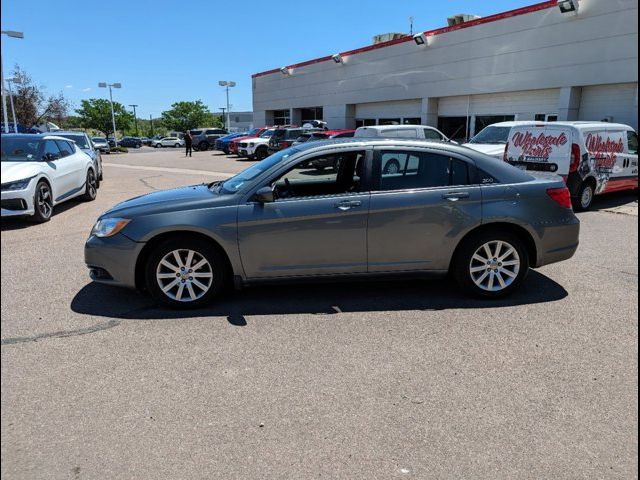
x: 92, y: 184
x: 44, y: 200
x: 494, y: 266
x: 184, y: 275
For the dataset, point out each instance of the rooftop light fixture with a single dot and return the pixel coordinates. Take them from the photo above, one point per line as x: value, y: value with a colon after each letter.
x: 337, y: 58
x: 568, y: 6
x: 285, y: 70
x: 420, y: 39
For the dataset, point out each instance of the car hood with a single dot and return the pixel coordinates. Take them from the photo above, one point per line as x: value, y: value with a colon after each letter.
x: 491, y: 149
x: 184, y: 198
x: 13, y: 171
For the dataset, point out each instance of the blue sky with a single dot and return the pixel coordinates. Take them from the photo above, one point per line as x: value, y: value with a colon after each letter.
x: 164, y: 51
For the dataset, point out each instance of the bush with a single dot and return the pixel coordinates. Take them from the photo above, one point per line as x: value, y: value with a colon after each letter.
x: 119, y: 150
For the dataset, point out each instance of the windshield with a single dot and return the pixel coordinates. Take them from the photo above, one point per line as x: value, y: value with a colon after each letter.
x: 492, y: 135
x: 267, y: 134
x: 234, y: 184
x: 255, y: 131
x: 80, y: 140
x: 20, y: 149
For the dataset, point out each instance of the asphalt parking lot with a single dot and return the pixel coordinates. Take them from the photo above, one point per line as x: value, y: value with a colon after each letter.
x: 374, y: 380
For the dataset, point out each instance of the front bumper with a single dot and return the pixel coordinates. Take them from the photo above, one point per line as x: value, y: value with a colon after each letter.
x: 18, y: 202
x: 112, y: 260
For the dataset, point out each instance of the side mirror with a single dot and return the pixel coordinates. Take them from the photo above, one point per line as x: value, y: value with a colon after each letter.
x: 264, y: 195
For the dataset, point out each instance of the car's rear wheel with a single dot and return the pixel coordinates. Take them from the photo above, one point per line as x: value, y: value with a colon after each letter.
x: 491, y: 264
x: 584, y: 199
x: 177, y: 145
x: 185, y: 273
x: 158, y: 145
x: 203, y: 146
x: 42, y: 202
x: 91, y: 186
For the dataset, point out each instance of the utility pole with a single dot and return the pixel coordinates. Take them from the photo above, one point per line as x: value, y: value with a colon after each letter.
x: 135, y: 118
x: 12, y: 34
x: 151, y: 120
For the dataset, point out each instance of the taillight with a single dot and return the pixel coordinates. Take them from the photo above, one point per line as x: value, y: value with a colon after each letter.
x: 575, y: 158
x: 561, y: 196
x: 285, y: 144
x: 504, y: 155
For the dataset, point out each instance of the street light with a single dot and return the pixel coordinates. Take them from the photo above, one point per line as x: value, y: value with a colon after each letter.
x: 13, y: 108
x: 227, y: 84
x: 135, y: 117
x: 12, y: 34
x: 113, y: 117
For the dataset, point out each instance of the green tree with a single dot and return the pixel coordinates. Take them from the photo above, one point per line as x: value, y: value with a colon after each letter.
x: 96, y: 113
x: 187, y: 116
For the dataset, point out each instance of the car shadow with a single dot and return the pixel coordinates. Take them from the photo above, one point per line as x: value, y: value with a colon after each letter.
x: 612, y: 200
x: 18, y: 223
x: 320, y: 298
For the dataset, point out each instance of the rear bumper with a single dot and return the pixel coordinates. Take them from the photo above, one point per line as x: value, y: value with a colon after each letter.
x: 558, y: 243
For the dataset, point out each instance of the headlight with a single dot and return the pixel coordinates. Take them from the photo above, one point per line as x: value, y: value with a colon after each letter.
x: 17, y: 185
x: 108, y: 227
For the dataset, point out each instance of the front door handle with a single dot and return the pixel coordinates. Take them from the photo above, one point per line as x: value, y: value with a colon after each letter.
x: 348, y: 204
x: 455, y: 196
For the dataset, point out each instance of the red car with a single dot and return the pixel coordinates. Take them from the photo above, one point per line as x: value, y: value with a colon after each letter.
x: 233, y: 144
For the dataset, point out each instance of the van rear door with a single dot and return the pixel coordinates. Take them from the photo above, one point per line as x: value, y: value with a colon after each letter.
x: 541, y: 147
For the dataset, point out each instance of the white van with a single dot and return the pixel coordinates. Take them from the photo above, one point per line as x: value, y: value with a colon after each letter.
x: 401, y: 131
x: 592, y: 157
x: 492, y: 139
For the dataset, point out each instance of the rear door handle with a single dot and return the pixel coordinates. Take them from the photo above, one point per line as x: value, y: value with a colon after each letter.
x: 455, y: 196
x: 348, y: 204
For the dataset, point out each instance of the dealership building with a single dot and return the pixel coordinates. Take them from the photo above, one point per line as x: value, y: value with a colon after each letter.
x: 555, y: 60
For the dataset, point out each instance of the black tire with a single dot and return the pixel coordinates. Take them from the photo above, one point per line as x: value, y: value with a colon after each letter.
x: 43, y: 206
x: 91, y: 186
x: 261, y: 153
x: 392, y: 166
x: 462, y: 263
x: 158, y: 145
x: 203, y: 146
x: 206, y: 251
x: 584, y: 198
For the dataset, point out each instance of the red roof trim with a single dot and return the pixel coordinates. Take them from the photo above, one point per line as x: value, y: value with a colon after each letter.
x: 438, y: 31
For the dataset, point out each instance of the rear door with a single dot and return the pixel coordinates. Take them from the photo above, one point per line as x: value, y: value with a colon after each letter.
x: 540, y: 147
x: 69, y: 169
x: 418, y: 213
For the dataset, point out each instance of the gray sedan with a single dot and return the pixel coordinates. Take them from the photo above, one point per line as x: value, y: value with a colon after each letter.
x: 446, y: 209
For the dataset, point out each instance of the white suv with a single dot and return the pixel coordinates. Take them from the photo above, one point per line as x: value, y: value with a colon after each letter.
x: 423, y: 132
x: 41, y: 171
x: 256, y: 148
x: 168, y: 142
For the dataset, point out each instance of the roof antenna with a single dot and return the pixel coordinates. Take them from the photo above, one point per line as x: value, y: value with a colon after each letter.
x: 411, y: 25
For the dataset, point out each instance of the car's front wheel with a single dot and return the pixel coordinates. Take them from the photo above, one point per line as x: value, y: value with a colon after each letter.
x: 491, y: 264
x: 185, y: 273
x: 203, y: 146
x: 158, y: 145
x: 42, y: 202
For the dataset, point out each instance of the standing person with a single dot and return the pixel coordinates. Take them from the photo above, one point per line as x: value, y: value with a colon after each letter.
x: 188, y: 141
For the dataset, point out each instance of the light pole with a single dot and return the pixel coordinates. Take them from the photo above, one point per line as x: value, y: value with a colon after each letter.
x: 135, y: 117
x: 13, y: 34
x: 13, y: 108
x: 113, y: 117
x: 227, y: 84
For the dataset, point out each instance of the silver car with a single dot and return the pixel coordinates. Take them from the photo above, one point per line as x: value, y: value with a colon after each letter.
x: 448, y: 209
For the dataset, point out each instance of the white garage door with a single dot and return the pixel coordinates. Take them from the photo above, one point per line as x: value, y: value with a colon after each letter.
x: 615, y: 101
x: 523, y: 104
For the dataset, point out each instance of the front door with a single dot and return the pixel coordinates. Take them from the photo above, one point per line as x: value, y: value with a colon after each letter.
x: 317, y: 224
x: 422, y: 202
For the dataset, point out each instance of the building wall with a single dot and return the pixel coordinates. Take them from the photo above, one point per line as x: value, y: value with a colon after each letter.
x: 537, y: 62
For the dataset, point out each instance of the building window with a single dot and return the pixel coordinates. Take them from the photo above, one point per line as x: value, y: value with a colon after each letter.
x: 546, y: 117
x: 412, y: 121
x: 281, y: 117
x: 486, y: 120
x: 365, y: 122
x: 389, y: 121
x: 455, y: 128
x: 309, y: 114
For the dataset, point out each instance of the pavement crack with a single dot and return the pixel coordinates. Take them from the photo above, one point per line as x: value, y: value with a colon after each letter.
x: 63, y: 333
x: 143, y: 180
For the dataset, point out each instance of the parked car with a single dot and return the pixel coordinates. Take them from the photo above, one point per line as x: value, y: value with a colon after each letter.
x: 256, y: 132
x: 130, y: 142
x: 146, y: 141
x: 284, y: 137
x: 256, y: 148
x: 112, y: 142
x: 424, y: 132
x: 205, y: 138
x: 169, y: 142
x: 593, y: 157
x: 323, y: 135
x: 222, y: 143
x: 450, y: 210
x: 492, y: 139
x: 41, y: 171
x: 85, y: 144
x: 101, y: 144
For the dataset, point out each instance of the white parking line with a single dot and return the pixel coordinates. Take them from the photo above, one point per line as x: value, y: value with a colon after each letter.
x: 171, y: 170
